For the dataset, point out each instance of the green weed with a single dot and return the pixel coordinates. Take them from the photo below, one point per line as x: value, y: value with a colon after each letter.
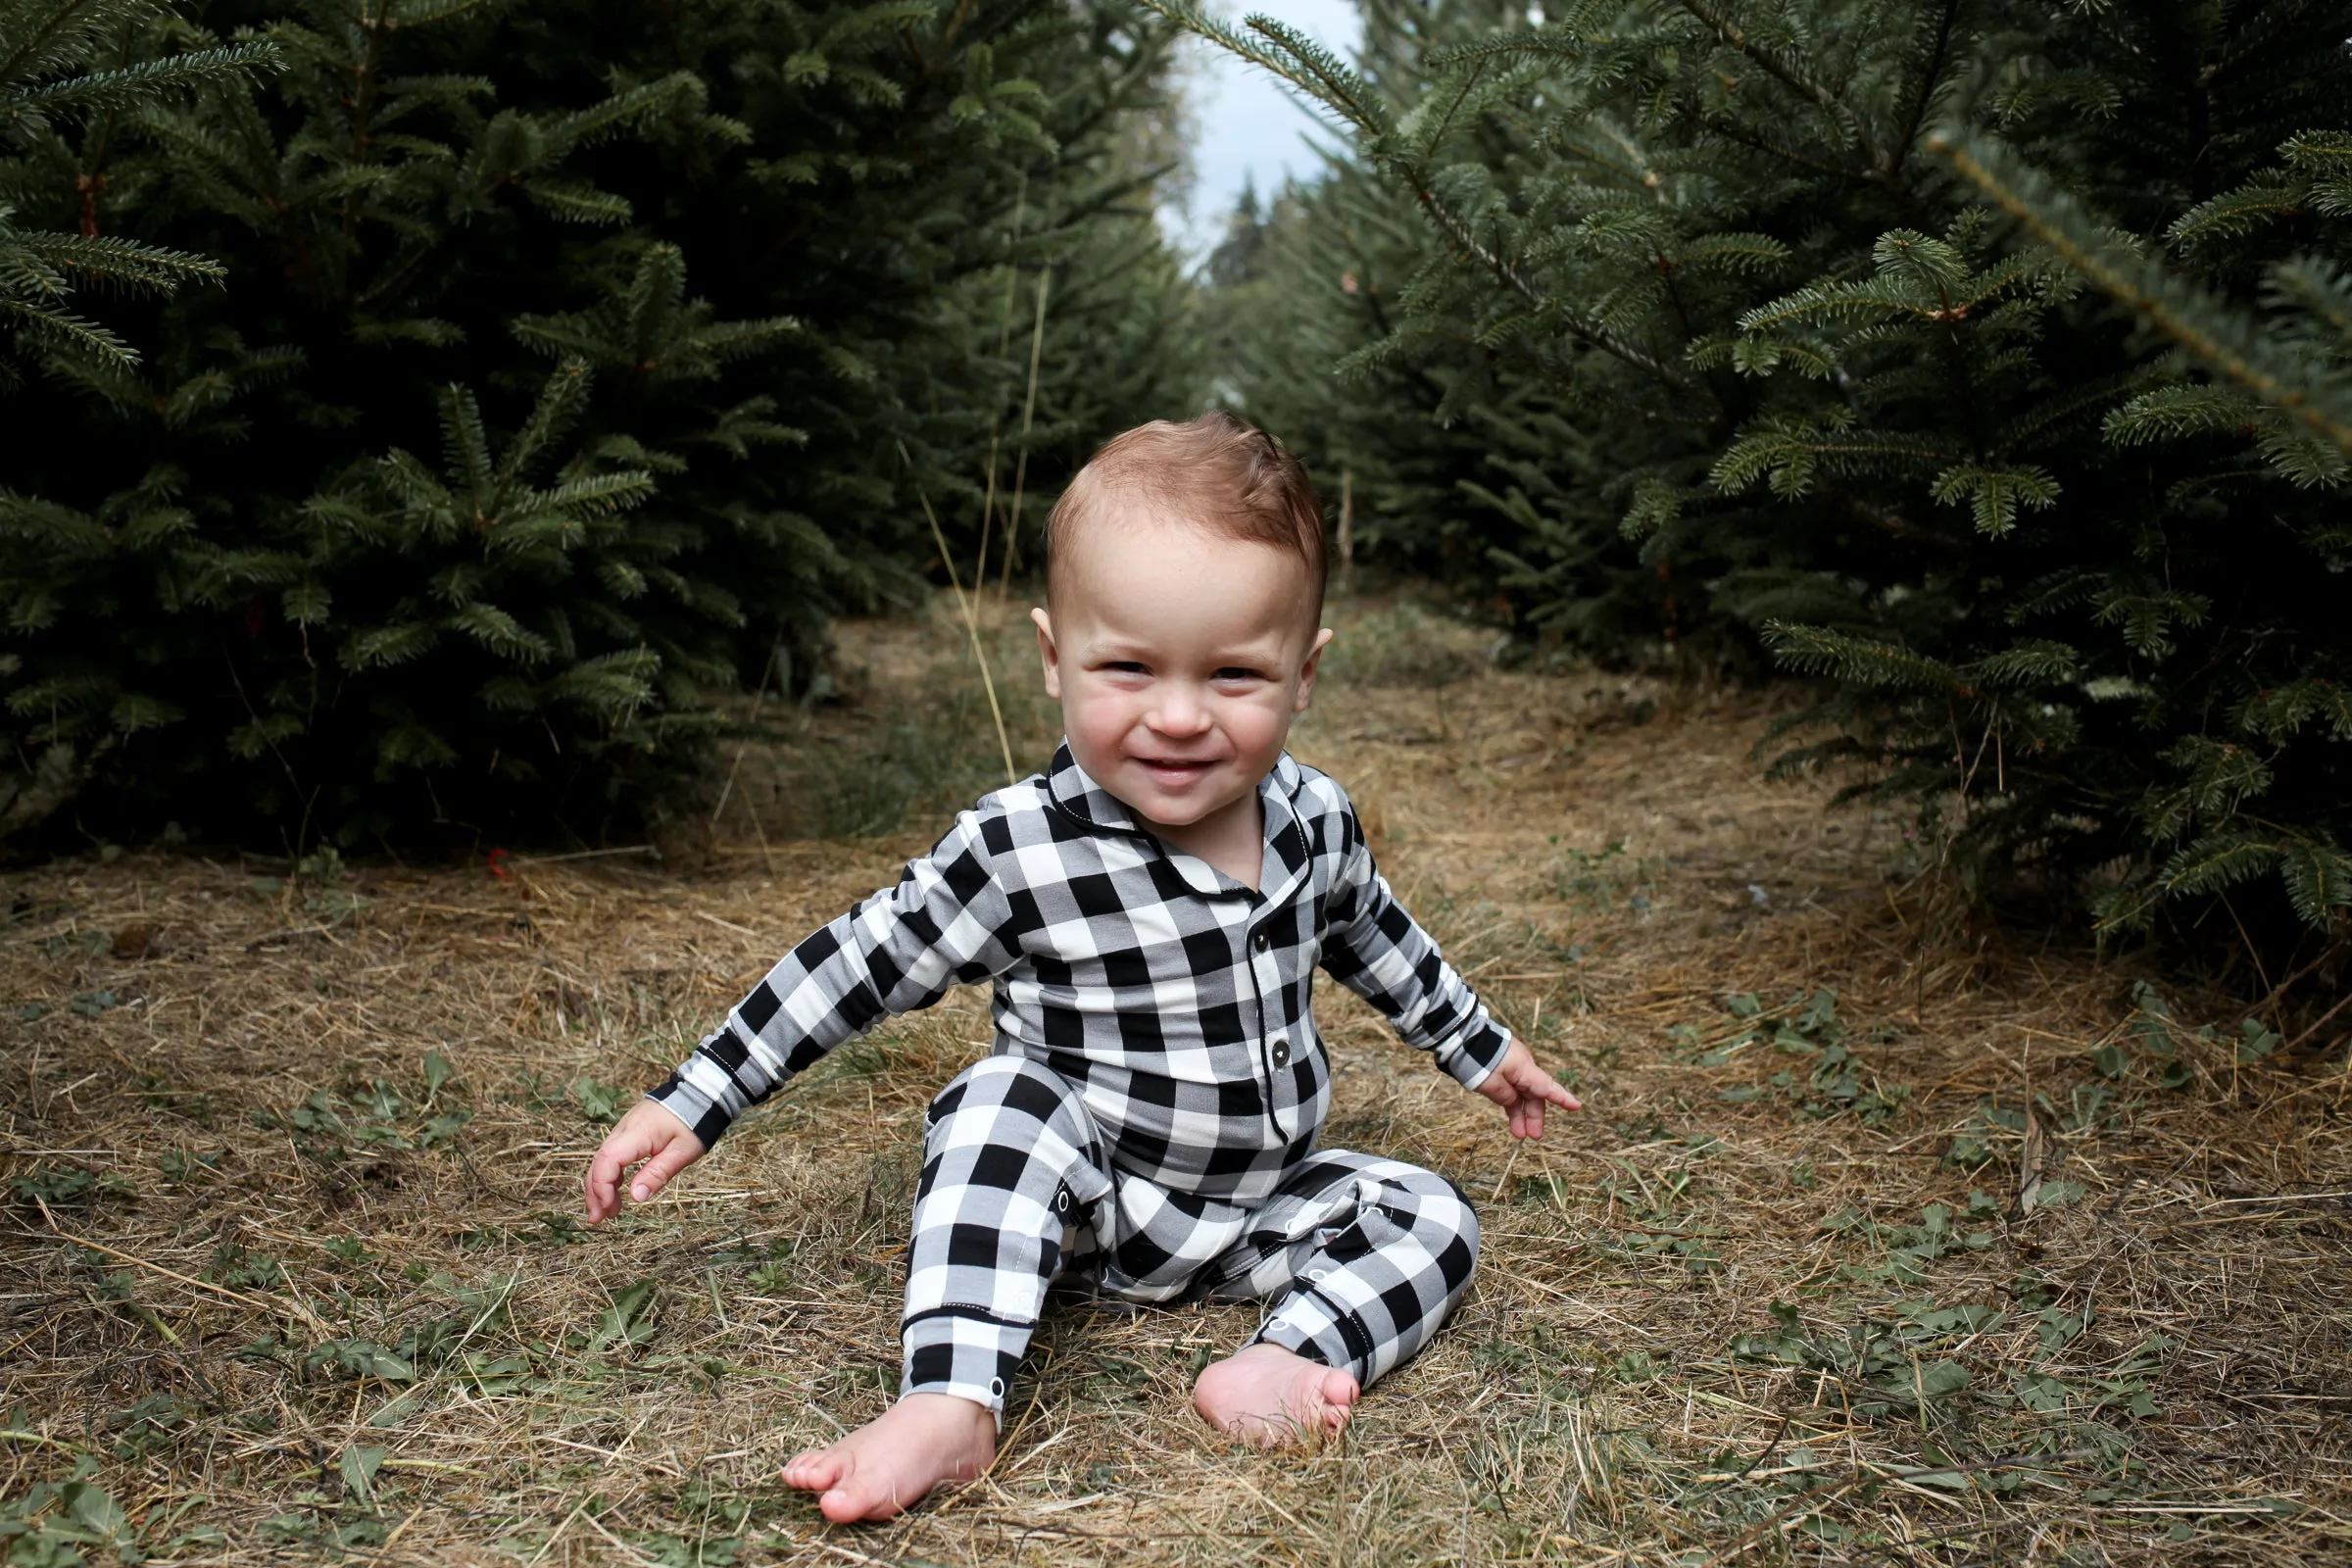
x: 1659, y: 1206
x: 183, y: 1167
x: 62, y: 1186
x: 1806, y: 1025
x: 1596, y: 884
x: 53, y: 1522
x: 602, y: 1104
x: 369, y: 1118
x: 232, y: 1265
x: 1903, y: 1251
x: 159, y: 1095
x: 1879, y: 1365
x: 2150, y: 1029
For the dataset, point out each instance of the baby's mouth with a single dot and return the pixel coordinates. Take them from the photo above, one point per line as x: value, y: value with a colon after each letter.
x: 1174, y: 770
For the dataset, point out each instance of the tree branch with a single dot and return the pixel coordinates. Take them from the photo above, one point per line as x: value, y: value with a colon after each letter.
x: 1508, y: 277
x: 1719, y: 19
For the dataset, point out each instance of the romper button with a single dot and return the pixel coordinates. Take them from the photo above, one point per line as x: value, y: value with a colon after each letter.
x: 1282, y: 1053
x: 1262, y: 942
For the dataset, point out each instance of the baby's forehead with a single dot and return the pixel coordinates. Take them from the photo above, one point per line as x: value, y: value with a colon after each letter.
x: 1144, y: 521
x: 1118, y: 550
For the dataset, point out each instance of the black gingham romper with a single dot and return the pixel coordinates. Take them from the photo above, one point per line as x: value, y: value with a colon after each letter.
x: 1146, y: 1118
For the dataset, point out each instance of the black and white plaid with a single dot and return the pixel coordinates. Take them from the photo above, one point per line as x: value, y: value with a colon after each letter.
x: 1174, y: 998
x: 1363, y: 1257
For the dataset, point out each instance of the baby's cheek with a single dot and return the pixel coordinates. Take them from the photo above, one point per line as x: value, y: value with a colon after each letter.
x: 1096, y: 723
x: 1261, y: 726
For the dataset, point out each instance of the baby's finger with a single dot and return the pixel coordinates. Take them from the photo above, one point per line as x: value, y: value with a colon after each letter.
x: 657, y: 1171
x: 1547, y: 1087
x: 604, y: 1180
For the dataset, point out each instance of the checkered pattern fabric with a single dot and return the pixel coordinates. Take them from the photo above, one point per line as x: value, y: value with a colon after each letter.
x: 1363, y: 1257
x: 1173, y: 997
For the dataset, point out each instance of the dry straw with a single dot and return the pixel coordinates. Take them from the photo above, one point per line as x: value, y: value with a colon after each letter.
x: 1020, y: 472
x: 996, y: 415
x: 318, y: 1149
x: 968, y: 609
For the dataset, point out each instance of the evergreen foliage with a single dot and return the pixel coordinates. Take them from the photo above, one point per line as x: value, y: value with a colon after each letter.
x: 1308, y: 285
x: 1987, y: 357
x: 54, y: 69
x: 565, y: 362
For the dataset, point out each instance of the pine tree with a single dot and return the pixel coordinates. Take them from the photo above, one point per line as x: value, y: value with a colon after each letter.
x: 1315, y: 340
x: 1983, y: 356
x: 61, y: 65
x: 566, y: 365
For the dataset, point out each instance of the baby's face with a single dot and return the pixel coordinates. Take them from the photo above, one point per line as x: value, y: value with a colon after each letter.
x: 1180, y: 656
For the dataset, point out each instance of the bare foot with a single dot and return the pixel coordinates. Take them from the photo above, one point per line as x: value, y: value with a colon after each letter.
x: 890, y: 1462
x: 1269, y: 1395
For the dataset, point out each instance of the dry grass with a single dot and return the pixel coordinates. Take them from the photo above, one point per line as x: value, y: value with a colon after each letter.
x: 274, y: 1248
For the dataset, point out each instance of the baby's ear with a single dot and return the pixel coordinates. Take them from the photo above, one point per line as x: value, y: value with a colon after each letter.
x: 1048, y: 653
x: 1307, y: 670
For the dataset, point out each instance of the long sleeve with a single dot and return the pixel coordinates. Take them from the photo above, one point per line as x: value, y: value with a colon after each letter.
x: 1376, y: 950
x: 947, y: 922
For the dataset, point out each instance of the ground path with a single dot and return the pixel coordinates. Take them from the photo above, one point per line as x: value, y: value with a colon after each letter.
x: 322, y: 1138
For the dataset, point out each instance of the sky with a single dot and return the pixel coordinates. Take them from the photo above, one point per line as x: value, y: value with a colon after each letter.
x: 1248, y: 124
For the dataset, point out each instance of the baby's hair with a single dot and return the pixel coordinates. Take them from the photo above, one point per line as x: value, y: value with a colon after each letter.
x: 1216, y: 471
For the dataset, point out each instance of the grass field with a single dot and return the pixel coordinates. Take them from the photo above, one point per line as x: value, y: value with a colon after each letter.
x: 1883, y: 1239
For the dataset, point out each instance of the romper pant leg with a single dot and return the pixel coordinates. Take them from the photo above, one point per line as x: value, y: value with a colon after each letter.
x: 1011, y: 1166
x: 1367, y: 1255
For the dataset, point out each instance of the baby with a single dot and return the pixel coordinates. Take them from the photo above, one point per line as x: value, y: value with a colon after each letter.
x: 1150, y: 911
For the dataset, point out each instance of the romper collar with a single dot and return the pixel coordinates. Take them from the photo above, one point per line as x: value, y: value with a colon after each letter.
x: 1073, y: 790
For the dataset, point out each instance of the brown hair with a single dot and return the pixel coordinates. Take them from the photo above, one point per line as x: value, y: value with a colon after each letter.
x: 1220, y: 471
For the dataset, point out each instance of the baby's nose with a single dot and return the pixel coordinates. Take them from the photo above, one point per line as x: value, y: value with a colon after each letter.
x: 1180, y: 713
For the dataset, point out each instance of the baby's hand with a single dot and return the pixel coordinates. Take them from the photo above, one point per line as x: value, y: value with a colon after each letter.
x: 648, y: 1133
x: 1522, y: 1088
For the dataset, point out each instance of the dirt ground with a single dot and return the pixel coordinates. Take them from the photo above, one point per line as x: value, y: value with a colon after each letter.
x: 1884, y: 1238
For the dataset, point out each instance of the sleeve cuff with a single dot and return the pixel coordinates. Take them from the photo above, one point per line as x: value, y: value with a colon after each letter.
x: 1472, y: 1059
x: 703, y: 1116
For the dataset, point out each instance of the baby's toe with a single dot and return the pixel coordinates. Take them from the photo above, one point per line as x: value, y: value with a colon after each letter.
x: 816, y: 1469
x: 855, y: 1499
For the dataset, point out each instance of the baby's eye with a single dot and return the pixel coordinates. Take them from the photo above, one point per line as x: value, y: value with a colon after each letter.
x: 1124, y: 666
x: 1233, y: 673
